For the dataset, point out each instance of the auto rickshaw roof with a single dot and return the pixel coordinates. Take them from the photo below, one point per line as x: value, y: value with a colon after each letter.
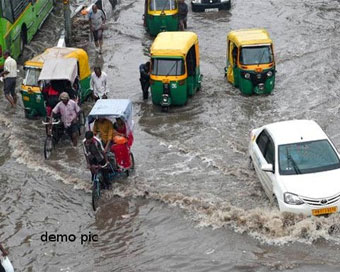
x: 63, y: 52
x: 249, y: 37
x: 176, y: 43
x: 59, y: 69
x: 116, y: 108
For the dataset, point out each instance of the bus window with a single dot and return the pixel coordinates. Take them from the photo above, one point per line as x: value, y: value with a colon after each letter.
x: 7, y: 10
x: 18, y: 7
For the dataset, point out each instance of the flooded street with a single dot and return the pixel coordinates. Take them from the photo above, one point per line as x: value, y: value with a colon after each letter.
x: 192, y: 203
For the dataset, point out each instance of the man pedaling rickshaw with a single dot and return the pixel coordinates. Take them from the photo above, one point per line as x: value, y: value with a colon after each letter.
x: 69, y: 112
x: 96, y: 157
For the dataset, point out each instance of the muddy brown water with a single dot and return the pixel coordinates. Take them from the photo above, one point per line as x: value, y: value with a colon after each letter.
x: 204, y: 209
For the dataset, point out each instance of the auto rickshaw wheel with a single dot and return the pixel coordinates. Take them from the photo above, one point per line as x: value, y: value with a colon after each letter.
x: 165, y: 108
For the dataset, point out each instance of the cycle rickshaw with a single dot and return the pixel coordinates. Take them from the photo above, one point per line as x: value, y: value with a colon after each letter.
x: 60, y: 74
x: 120, y: 158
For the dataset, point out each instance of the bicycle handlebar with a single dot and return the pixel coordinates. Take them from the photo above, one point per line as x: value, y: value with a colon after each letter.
x: 53, y: 123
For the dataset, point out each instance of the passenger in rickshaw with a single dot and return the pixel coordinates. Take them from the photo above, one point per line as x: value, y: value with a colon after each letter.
x: 69, y: 112
x: 95, y: 156
x: 104, y: 128
x: 51, y: 96
x: 120, y: 127
x: 122, y: 141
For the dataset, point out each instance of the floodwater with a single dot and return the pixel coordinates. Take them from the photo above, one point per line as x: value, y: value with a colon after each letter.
x: 193, y: 203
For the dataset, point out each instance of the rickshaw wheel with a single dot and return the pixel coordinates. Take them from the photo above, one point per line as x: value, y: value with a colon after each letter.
x: 95, y: 198
x: 165, y: 108
x: 132, y: 161
x: 96, y: 192
x: 48, y: 146
x: 82, y: 121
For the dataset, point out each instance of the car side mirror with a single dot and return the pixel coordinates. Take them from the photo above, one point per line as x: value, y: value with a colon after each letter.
x: 267, y: 167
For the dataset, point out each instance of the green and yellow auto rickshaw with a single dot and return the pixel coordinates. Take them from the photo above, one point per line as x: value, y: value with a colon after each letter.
x: 31, y: 90
x: 250, y: 61
x: 175, y: 69
x: 160, y: 15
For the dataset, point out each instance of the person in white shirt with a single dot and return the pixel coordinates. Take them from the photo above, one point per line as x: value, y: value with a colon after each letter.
x: 98, y: 84
x: 10, y: 76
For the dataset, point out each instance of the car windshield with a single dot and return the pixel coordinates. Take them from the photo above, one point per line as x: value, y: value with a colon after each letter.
x: 162, y: 5
x: 256, y: 55
x: 31, y: 77
x: 307, y: 157
x: 167, y: 67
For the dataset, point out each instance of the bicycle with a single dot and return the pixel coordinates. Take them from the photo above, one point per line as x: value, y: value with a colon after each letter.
x: 54, y: 133
x: 97, y: 183
x: 52, y: 137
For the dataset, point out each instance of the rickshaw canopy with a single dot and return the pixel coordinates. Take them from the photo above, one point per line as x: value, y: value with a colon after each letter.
x: 175, y: 43
x: 59, y: 69
x: 112, y: 109
x: 63, y: 53
x: 244, y: 37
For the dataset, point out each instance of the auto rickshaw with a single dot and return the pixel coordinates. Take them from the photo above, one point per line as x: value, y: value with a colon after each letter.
x: 160, y: 15
x: 250, y: 61
x: 31, y: 90
x: 175, y: 70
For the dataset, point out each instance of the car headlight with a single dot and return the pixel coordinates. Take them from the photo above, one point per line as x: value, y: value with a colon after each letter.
x: 269, y: 73
x: 196, y: 1
x: 246, y: 75
x: 292, y: 199
x: 225, y: 1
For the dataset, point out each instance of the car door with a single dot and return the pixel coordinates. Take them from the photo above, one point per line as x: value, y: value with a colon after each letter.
x: 264, y: 153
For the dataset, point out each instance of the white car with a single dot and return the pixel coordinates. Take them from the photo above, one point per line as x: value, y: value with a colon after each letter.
x: 297, y: 165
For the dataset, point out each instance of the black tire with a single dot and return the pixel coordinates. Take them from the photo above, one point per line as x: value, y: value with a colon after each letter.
x: 82, y: 121
x: 132, y: 158
x: 95, y: 195
x: 165, y: 108
x: 48, y: 147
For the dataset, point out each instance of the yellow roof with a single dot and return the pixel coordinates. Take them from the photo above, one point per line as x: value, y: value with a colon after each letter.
x: 249, y: 37
x: 63, y: 52
x: 175, y: 43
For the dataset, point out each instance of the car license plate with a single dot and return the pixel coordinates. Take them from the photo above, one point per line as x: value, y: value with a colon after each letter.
x: 26, y: 98
x: 325, y: 210
x: 211, y: 9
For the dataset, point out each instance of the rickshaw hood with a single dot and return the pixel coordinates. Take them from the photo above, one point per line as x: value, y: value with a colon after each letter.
x: 59, y: 69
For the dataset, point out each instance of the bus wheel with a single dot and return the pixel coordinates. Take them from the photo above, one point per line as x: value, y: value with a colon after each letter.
x: 23, y: 40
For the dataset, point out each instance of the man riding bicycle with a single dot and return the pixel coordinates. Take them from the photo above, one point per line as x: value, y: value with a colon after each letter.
x: 69, y: 111
x: 95, y: 156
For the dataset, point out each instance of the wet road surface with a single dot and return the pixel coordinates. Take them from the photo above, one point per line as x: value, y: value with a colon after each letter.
x: 204, y: 209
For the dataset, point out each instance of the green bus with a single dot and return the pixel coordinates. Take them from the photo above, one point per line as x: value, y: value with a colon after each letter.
x: 19, y: 21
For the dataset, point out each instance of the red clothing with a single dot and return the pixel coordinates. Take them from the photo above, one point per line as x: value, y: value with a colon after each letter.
x: 122, y: 154
x: 122, y: 130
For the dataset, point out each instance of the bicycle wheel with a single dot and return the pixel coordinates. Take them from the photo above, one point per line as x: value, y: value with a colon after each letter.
x: 95, y: 193
x: 48, y: 146
x: 81, y: 122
